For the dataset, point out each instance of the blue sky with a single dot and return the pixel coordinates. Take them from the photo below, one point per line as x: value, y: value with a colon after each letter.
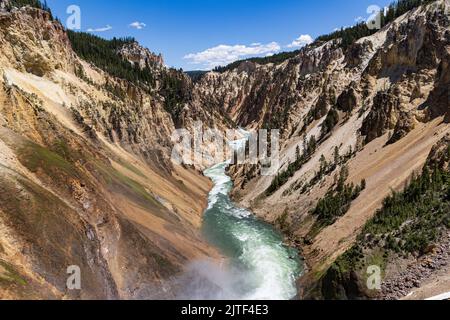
x: 200, y: 34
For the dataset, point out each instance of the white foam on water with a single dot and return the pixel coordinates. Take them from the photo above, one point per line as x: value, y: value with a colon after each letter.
x: 270, y: 270
x: 221, y: 183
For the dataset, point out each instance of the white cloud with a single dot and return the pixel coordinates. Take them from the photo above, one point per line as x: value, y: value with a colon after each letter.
x: 107, y: 28
x: 359, y: 19
x: 301, y: 41
x: 226, y: 54
x: 137, y: 25
x: 339, y: 29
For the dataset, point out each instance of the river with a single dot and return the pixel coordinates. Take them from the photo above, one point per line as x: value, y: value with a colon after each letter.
x: 260, y: 265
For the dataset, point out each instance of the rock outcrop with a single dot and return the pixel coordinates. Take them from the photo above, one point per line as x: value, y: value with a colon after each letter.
x: 140, y: 56
x: 382, y: 117
x: 86, y: 179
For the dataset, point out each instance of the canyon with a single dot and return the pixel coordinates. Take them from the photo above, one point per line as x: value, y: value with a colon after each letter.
x: 86, y: 176
x: 376, y: 108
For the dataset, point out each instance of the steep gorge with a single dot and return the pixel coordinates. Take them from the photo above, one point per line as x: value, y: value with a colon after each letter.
x: 86, y: 176
x: 369, y: 113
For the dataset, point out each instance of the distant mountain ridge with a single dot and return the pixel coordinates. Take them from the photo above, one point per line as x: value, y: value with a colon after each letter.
x: 347, y: 35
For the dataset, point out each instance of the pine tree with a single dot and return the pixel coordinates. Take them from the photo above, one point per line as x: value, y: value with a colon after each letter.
x: 323, y: 165
x: 337, y: 157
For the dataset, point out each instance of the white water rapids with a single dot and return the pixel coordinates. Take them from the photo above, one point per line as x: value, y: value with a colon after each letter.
x: 259, y: 266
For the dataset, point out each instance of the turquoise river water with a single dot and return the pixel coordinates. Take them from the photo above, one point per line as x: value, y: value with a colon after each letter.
x: 260, y: 266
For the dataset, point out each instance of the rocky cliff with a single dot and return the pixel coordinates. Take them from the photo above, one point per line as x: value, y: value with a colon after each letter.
x: 86, y: 177
x: 367, y: 113
x: 85, y: 173
x: 142, y: 57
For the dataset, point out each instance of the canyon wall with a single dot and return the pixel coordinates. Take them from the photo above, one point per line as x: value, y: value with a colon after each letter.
x: 368, y: 113
x: 85, y: 171
x: 87, y: 180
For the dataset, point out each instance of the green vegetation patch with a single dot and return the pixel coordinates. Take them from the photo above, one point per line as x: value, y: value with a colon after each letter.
x: 176, y: 91
x: 330, y: 122
x: 32, y: 3
x: 103, y: 54
x: 10, y: 275
x: 114, y: 178
x: 411, y: 220
x: 336, y: 202
x: 35, y: 157
x: 309, y: 147
x: 131, y: 167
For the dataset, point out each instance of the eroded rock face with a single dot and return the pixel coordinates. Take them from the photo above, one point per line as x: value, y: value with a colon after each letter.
x: 37, y: 65
x: 382, y: 117
x: 348, y: 100
x: 27, y: 28
x: 440, y: 155
x: 440, y: 97
x: 140, y: 56
x: 273, y: 95
x: 388, y: 91
x: 85, y: 177
x: 405, y: 124
x: 4, y: 4
x: 320, y: 77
